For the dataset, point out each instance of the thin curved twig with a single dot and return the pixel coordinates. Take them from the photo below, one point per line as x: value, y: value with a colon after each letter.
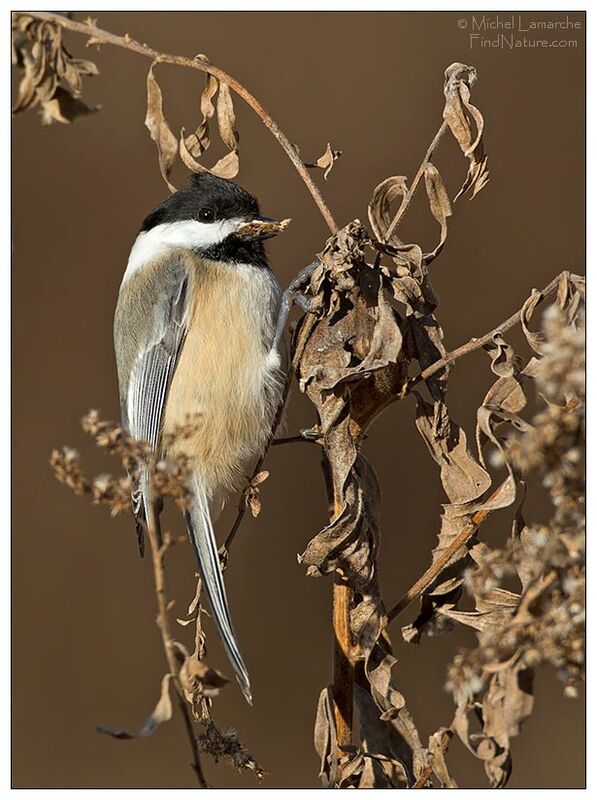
x: 293, y: 440
x: 99, y: 36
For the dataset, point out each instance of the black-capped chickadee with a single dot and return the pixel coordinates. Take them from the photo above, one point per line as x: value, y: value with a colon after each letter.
x: 195, y: 334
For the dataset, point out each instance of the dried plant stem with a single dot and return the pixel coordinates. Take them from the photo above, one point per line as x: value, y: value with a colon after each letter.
x: 157, y: 561
x: 475, y: 344
x: 343, y: 674
x: 417, y: 179
x: 293, y: 440
x: 343, y: 678
x: 99, y: 36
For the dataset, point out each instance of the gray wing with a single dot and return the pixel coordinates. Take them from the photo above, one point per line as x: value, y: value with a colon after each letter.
x: 149, y: 330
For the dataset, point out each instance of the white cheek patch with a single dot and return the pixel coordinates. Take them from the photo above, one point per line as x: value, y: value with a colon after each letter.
x: 188, y: 234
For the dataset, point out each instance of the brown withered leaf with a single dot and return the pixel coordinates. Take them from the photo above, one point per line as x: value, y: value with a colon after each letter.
x: 380, y: 207
x: 503, y: 361
x: 159, y: 130
x: 494, y: 610
x: 492, y: 415
x: 462, y: 477
x: 465, y: 121
x: 252, y: 494
x: 536, y: 340
x: 506, y: 704
x: 193, y: 146
x: 438, y: 743
x: 65, y: 108
x: 198, y: 142
x: 185, y: 154
x: 261, y: 477
x: 326, y: 161
x: 570, y: 301
x: 227, y: 167
x: 440, y: 205
x: 226, y: 117
x: 380, y: 737
x: 426, y: 340
x: 254, y: 503
x: 324, y: 738
x: 72, y: 70
x: 160, y: 714
x: 360, y: 769
x: 199, y: 680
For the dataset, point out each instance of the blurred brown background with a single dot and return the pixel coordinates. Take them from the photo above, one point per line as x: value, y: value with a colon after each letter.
x: 85, y: 647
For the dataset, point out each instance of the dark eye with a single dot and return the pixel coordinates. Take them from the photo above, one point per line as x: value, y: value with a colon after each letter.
x: 206, y: 214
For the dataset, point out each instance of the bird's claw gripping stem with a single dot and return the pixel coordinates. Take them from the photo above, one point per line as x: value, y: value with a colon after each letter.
x: 294, y: 296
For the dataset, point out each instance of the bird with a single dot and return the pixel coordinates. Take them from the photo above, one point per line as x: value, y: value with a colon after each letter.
x: 196, y: 337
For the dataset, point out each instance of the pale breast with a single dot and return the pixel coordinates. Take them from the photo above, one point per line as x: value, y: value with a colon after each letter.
x: 227, y: 379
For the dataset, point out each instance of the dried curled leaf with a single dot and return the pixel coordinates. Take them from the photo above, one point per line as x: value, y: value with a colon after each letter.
x: 160, y: 714
x: 326, y: 161
x: 65, y: 108
x: 439, y: 202
x: 192, y: 147
x: 438, y: 744
x: 380, y: 205
x: 507, y: 703
x: 324, y: 738
x: 198, y: 142
x: 159, y: 129
x: 199, y: 680
x: 226, y: 117
x: 466, y: 124
x: 252, y: 494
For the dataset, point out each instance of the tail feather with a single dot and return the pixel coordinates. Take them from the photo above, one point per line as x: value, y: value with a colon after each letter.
x: 206, y: 550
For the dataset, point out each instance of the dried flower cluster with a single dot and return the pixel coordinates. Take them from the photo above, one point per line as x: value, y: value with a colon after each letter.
x: 169, y: 477
x: 226, y: 746
x: 371, y: 337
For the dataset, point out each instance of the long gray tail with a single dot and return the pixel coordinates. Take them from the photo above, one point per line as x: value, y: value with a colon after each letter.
x: 204, y: 543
